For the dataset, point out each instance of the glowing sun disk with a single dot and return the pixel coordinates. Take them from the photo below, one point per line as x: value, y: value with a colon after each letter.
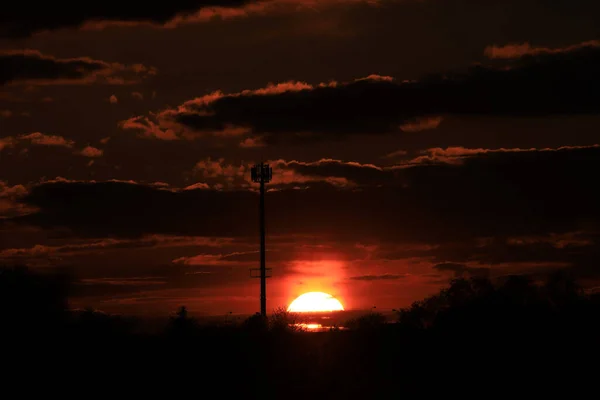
x: 315, y: 302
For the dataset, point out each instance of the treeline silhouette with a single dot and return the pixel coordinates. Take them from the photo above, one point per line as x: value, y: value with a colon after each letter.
x: 477, y: 336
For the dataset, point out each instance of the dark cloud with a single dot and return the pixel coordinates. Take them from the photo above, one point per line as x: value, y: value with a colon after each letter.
x: 461, y: 269
x: 534, y: 84
x: 156, y: 280
x: 21, y: 20
x: 580, y: 251
x: 33, y: 67
x: 492, y: 194
x: 85, y: 247
x: 134, y: 209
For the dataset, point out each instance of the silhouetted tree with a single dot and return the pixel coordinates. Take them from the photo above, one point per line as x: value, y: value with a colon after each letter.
x: 562, y: 290
x: 519, y: 290
x: 255, y: 324
x: 92, y: 322
x: 368, y: 322
x: 181, y: 324
x: 281, y: 321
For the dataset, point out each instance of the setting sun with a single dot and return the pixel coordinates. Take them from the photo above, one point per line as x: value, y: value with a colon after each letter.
x: 315, y: 302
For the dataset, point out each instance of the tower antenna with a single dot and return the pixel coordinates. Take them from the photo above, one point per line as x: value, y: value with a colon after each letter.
x: 262, y: 173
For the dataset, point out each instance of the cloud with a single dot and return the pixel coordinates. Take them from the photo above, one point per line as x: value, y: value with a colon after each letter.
x: 559, y: 241
x: 93, y: 245
x: 335, y: 172
x: 12, y: 191
x: 288, y: 174
x: 41, y: 139
x: 540, y: 84
x: 525, y: 49
x: 220, y: 260
x: 493, y: 194
x: 6, y: 142
x: 461, y: 269
x: 148, y: 129
x: 209, y: 168
x: 135, y: 281
x: 19, y: 21
x: 421, y: 124
x: 397, y: 153
x: 198, y: 185
x: 91, y: 152
x: 9, y: 201
x: 31, y: 67
x: 36, y: 139
x: 251, y: 142
x: 457, y: 155
x: 166, y: 128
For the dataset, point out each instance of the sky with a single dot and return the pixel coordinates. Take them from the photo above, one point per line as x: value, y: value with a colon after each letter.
x: 411, y: 141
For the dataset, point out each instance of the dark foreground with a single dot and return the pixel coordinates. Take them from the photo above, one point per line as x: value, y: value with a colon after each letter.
x: 475, y: 339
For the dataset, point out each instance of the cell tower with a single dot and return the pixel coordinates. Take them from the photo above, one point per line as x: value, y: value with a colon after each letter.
x: 262, y: 173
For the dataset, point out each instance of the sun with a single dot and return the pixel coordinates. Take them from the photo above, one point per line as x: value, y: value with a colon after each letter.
x: 315, y: 302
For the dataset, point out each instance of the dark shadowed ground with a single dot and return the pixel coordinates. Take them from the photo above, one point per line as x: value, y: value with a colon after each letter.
x: 475, y: 338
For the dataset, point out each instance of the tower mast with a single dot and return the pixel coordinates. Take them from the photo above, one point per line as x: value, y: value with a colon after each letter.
x: 262, y: 173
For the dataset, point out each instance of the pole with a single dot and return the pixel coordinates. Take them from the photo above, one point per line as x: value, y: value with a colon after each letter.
x: 262, y: 174
x: 263, y: 269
